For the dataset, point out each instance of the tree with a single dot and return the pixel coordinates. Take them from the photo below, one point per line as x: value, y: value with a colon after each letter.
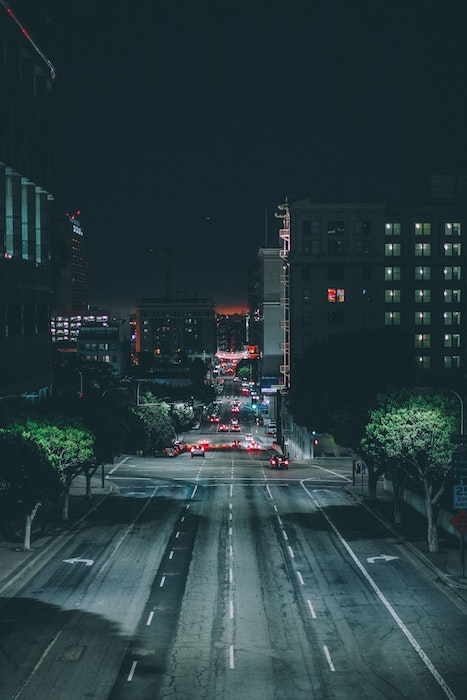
x: 27, y: 478
x: 68, y: 447
x: 411, y: 435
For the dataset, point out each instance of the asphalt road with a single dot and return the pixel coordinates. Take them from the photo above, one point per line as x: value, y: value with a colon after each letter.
x: 220, y: 578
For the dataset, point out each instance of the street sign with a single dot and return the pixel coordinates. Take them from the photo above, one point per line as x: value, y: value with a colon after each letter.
x: 460, y: 521
x: 459, y: 500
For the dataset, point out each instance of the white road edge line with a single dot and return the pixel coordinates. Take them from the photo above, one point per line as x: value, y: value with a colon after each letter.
x: 46, y: 651
x: 328, y: 657
x: 404, y: 629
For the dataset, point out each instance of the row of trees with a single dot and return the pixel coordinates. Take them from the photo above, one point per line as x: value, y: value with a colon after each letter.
x: 43, y: 450
x: 363, y: 389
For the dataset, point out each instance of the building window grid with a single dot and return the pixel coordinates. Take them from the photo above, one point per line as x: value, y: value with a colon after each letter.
x: 452, y: 296
x: 423, y: 273
x: 452, y: 229
x: 423, y: 340
x: 452, y: 249
x: 392, y: 229
x: 392, y: 249
x: 392, y: 273
x: 423, y: 229
x: 392, y: 296
x: 423, y: 250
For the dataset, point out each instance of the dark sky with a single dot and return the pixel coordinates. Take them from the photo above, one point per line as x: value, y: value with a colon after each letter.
x: 180, y: 123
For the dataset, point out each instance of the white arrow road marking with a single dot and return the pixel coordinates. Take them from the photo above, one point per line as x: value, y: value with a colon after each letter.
x: 381, y: 557
x: 77, y: 560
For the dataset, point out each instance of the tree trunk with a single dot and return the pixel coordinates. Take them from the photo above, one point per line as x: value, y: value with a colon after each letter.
x: 66, y: 499
x: 432, y: 528
x: 397, y: 510
x: 28, y: 527
x: 88, y: 485
x: 372, y: 481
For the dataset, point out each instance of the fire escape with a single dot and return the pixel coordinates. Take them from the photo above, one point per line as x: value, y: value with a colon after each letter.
x: 284, y: 234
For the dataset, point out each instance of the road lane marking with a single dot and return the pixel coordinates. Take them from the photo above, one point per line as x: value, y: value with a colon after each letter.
x: 285, y: 535
x: 231, y: 609
x: 231, y: 490
x: 182, y: 519
x: 404, y: 629
x: 300, y: 578
x: 279, y: 520
x: 328, y: 657
x: 194, y: 491
x: 269, y: 492
x: 171, y: 554
x: 291, y: 551
x: 230, y: 575
x: 151, y: 615
x: 162, y: 582
x: 230, y: 531
x: 312, y: 611
x: 117, y: 466
x: 177, y: 535
x: 232, y: 659
x: 231, y: 551
x: 132, y: 671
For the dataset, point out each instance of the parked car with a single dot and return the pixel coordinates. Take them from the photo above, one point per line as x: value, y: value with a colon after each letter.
x: 223, y: 428
x: 197, y: 451
x: 171, y: 452
x: 279, y: 462
x: 181, y: 445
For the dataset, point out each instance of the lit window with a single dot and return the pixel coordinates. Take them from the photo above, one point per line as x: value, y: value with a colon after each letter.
x: 452, y: 249
x: 422, y: 296
x: 392, y: 273
x: 422, y: 340
x: 423, y: 249
x: 452, y: 230
x: 452, y: 318
x: 452, y: 273
x: 452, y: 296
x: 392, y: 296
x: 306, y: 296
x: 452, y: 340
x: 452, y: 361
x: 391, y: 249
x: 392, y: 318
x: 423, y: 273
x: 424, y: 362
x: 335, y: 295
x: 422, y: 318
x: 423, y: 229
x: 392, y: 230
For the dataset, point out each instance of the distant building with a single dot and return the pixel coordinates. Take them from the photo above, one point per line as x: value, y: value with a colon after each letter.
x: 168, y: 328
x: 66, y: 325
x: 231, y: 332
x: 105, y: 343
x: 26, y: 79
x: 70, y: 268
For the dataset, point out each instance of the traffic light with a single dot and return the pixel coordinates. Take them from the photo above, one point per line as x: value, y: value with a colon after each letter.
x: 316, y: 441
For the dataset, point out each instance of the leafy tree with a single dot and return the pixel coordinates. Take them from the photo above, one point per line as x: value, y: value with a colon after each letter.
x: 68, y: 447
x: 27, y: 478
x: 335, y: 382
x: 158, y: 423
x: 411, y: 435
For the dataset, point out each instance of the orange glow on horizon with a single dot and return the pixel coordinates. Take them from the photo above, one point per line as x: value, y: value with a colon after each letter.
x: 230, y: 309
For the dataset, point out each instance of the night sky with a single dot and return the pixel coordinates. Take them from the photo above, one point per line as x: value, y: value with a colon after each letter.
x: 184, y: 124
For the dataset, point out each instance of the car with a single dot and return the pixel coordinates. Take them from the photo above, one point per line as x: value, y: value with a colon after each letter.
x: 197, y: 451
x: 204, y: 443
x: 253, y: 445
x: 279, y: 462
x: 181, y: 445
x: 235, y: 429
x: 171, y: 452
x: 223, y: 428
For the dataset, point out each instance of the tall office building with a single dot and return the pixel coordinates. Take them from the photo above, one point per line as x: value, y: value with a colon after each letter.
x: 26, y: 79
x: 364, y: 265
x: 69, y: 265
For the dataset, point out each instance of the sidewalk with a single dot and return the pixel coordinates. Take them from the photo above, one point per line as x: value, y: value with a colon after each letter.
x: 15, y: 562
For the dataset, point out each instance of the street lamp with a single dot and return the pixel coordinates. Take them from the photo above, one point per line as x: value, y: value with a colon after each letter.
x: 462, y: 408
